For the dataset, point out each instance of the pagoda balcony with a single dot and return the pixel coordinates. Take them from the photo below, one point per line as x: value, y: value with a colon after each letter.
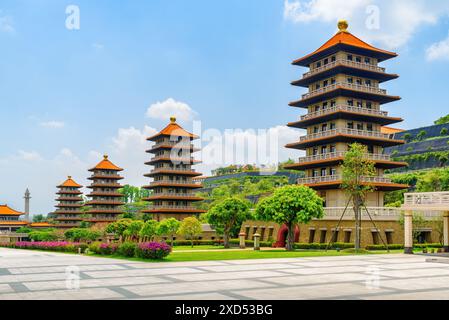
x: 69, y: 205
x: 99, y: 218
x: 314, y: 161
x: 173, y: 196
x: 98, y: 184
x: 186, y: 184
x: 346, y: 112
x: 104, y: 202
x: 71, y: 199
x: 74, y: 192
x: 173, y: 208
x: 99, y: 175
x: 68, y: 212
x: 171, y: 144
x: 106, y: 194
x: 377, y: 213
x: 345, y: 134
x: 175, y: 171
x: 345, y: 85
x: 333, y: 181
x: 170, y: 158
x: 344, y: 62
x: 104, y: 211
x: 69, y: 219
x: 356, y: 91
x: 342, y: 66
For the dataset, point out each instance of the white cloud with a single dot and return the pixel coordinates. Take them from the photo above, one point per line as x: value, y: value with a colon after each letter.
x: 398, y: 20
x: 52, y: 124
x: 28, y: 156
x: 6, y: 24
x: 438, y: 50
x: 97, y: 46
x: 170, y: 107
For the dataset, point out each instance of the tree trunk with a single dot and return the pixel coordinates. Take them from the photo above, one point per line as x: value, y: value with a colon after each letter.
x: 172, y: 241
x: 226, y: 240
x: 290, y: 236
x: 357, y: 215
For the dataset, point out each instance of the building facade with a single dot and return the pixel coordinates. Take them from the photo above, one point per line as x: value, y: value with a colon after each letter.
x: 68, y: 213
x: 10, y: 219
x: 173, y: 188
x: 106, y: 202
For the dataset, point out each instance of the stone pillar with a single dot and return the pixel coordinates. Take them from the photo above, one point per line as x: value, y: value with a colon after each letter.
x: 256, y: 241
x: 408, y: 232
x: 446, y: 231
x: 27, y: 198
x: 242, y: 238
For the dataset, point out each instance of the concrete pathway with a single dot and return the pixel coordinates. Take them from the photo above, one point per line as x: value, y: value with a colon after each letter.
x: 41, y: 275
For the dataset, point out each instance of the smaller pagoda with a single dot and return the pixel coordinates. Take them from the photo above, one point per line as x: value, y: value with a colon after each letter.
x: 106, y: 202
x: 10, y: 219
x: 173, y: 186
x: 70, y: 202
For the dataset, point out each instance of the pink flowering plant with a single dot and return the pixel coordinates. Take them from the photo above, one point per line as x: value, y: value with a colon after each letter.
x: 58, y: 246
x: 153, y: 250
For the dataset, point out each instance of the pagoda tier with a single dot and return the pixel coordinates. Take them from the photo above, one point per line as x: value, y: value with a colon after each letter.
x: 344, y: 106
x: 173, y: 186
x: 70, y: 202
x: 106, y: 202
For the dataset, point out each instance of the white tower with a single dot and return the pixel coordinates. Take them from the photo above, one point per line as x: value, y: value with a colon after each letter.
x: 27, y: 198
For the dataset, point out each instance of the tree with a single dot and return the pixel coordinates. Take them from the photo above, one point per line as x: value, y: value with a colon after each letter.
x: 38, y: 218
x: 420, y: 136
x: 169, y: 227
x: 118, y: 227
x: 444, y: 132
x: 356, y: 169
x: 148, y: 230
x: 190, y: 229
x: 228, y: 215
x: 442, y: 120
x: 132, y: 232
x: 407, y: 137
x: 291, y: 205
x: 24, y: 230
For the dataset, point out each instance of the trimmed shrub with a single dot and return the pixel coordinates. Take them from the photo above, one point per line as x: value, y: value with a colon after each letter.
x: 177, y: 243
x: 127, y: 249
x: 95, y: 247
x: 153, y: 250
x: 107, y: 249
x: 56, y: 246
x: 375, y: 247
x: 323, y: 246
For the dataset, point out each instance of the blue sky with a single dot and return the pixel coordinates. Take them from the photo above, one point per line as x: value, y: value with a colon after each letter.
x: 68, y: 96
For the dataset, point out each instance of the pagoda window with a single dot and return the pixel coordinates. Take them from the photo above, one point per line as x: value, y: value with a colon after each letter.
x: 350, y: 125
x: 368, y: 83
x: 325, y: 83
x: 359, y: 82
x: 317, y: 86
x: 367, y: 60
x: 370, y: 149
x: 316, y: 129
x: 359, y: 104
x: 326, y: 61
x: 333, y: 102
x: 350, y: 80
x: 333, y: 171
x: 359, y: 126
x: 315, y: 173
x: 369, y: 105
x: 333, y: 126
x: 318, y: 64
x: 323, y: 150
x: 324, y: 105
x: 315, y: 151
x: 317, y: 108
x: 332, y: 149
x: 350, y: 103
x: 358, y: 59
x: 323, y: 172
x: 324, y: 127
x: 350, y: 58
x: 333, y: 81
x: 333, y: 59
x: 369, y: 127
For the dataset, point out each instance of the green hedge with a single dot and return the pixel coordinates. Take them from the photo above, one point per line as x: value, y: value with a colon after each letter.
x: 250, y: 243
x: 178, y: 243
x: 401, y: 246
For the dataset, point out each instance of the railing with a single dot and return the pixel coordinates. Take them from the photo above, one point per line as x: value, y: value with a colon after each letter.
x: 344, y: 108
x: 375, y: 212
x: 347, y: 85
x: 344, y: 62
x: 354, y: 132
x: 172, y: 169
x: 340, y: 154
x: 338, y: 177
x: 173, y: 158
x: 166, y: 194
x: 171, y: 207
x: 435, y: 199
x: 173, y: 182
x: 181, y: 144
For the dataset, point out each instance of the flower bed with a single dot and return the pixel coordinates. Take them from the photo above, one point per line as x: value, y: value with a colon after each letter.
x: 57, y: 246
x: 153, y: 250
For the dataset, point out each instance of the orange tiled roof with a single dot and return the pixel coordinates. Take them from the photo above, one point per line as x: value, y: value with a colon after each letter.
x: 71, y: 183
x: 40, y: 225
x: 389, y: 130
x: 13, y: 223
x: 105, y: 164
x: 345, y: 37
x: 174, y: 129
x: 7, y: 211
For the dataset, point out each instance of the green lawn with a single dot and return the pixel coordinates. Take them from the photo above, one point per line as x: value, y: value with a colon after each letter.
x: 241, y: 255
x: 184, y: 248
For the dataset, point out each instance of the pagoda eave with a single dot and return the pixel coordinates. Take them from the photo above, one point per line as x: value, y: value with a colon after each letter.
x: 346, y: 92
x: 380, y: 55
x: 382, y: 120
x: 104, y: 185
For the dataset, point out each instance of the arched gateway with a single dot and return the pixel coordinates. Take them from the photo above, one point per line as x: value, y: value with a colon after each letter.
x: 281, y: 240
x: 431, y: 204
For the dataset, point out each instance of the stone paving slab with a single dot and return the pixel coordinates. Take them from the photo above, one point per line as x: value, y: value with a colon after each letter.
x: 40, y: 275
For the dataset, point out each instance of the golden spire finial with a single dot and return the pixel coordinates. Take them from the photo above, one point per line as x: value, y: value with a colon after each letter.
x: 105, y: 157
x: 343, y: 25
x: 173, y: 119
x: 70, y: 177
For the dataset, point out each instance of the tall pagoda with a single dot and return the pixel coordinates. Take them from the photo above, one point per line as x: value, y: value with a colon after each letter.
x: 343, y: 106
x: 173, y: 186
x: 106, y: 202
x: 68, y: 213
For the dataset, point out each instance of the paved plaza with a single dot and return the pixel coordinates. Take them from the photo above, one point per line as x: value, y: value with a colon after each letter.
x: 41, y: 275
